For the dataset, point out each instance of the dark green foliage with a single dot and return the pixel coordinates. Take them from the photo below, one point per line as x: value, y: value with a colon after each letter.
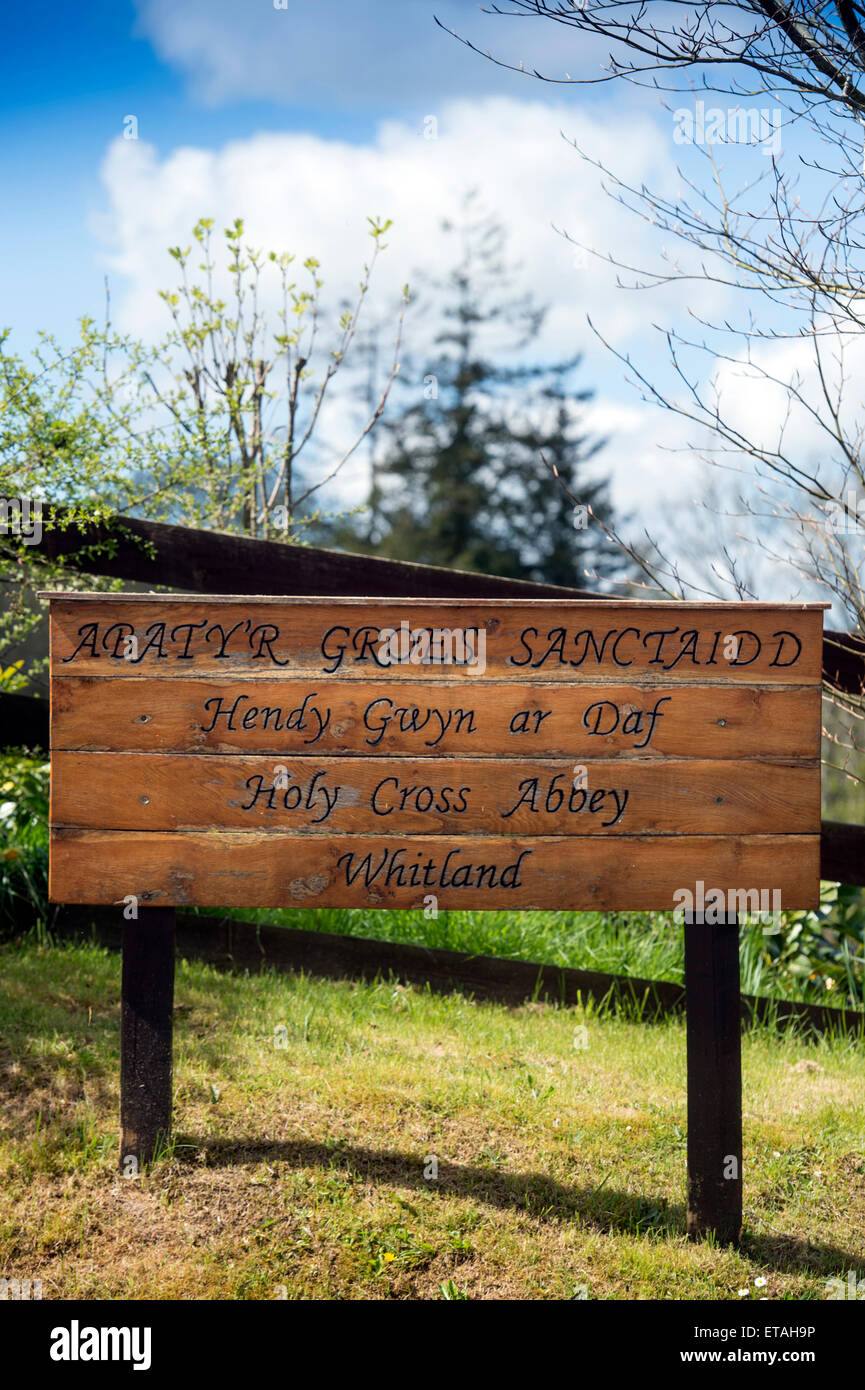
x: 461, y: 481
x: 23, y: 841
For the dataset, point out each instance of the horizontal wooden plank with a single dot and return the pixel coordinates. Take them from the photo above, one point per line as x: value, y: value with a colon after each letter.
x: 844, y: 661
x: 528, y: 599
x: 423, y: 718
x: 843, y: 852
x: 441, y: 796
x: 526, y: 640
x: 236, y: 868
x: 24, y: 722
x: 214, y: 562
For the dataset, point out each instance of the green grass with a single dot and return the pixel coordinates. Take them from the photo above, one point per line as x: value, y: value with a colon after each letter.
x: 299, y: 1171
x: 640, y: 944
x: 646, y: 945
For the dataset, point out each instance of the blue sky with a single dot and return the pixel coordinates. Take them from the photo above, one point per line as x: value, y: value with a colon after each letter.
x: 68, y: 73
x: 71, y: 73
x: 306, y: 120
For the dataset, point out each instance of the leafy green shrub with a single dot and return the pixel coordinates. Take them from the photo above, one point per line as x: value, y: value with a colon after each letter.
x: 23, y: 841
x: 826, y: 945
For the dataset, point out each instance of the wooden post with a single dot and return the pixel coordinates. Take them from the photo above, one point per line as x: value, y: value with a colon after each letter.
x: 714, y: 1079
x: 147, y: 1003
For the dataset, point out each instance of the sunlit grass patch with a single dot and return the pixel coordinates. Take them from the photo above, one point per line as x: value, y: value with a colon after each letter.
x: 335, y: 1139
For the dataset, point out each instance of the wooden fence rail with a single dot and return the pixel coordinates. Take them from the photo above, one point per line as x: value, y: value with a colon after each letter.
x: 183, y: 558
x: 180, y: 557
x: 212, y: 562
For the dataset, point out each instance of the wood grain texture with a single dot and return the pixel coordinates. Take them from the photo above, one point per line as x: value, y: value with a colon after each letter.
x: 246, y: 751
x: 214, y: 562
x: 211, y: 562
x: 225, y: 868
x: 443, y: 796
x: 525, y: 640
x: 427, y: 718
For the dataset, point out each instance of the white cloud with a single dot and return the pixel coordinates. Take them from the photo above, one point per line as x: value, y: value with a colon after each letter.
x: 756, y: 399
x: 309, y: 194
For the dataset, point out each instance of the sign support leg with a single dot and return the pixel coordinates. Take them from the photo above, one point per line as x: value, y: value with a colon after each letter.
x: 147, y: 1004
x: 714, y: 1078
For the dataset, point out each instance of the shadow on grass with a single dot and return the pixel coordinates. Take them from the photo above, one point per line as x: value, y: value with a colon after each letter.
x: 602, y: 1208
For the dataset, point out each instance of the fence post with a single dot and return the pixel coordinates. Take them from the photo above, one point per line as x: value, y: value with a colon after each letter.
x: 714, y: 1051
x: 147, y: 1004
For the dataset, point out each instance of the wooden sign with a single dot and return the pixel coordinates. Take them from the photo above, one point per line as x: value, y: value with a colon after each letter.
x: 228, y: 751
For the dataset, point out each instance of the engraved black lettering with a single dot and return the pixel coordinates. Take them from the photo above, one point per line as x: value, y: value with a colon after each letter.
x: 602, y: 712
x: 224, y: 637
x: 336, y: 651
x: 615, y: 648
x: 88, y: 633
x: 269, y: 633
x: 512, y: 660
x: 662, y: 634
x: 123, y: 630
x: 156, y: 634
x: 746, y: 632
x: 782, y: 635
x: 188, y: 628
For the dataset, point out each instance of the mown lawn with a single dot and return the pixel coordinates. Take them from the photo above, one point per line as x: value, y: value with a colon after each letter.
x: 649, y: 945
x: 299, y: 1171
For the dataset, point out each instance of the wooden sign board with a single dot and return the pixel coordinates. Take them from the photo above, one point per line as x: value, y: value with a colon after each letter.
x: 233, y: 751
